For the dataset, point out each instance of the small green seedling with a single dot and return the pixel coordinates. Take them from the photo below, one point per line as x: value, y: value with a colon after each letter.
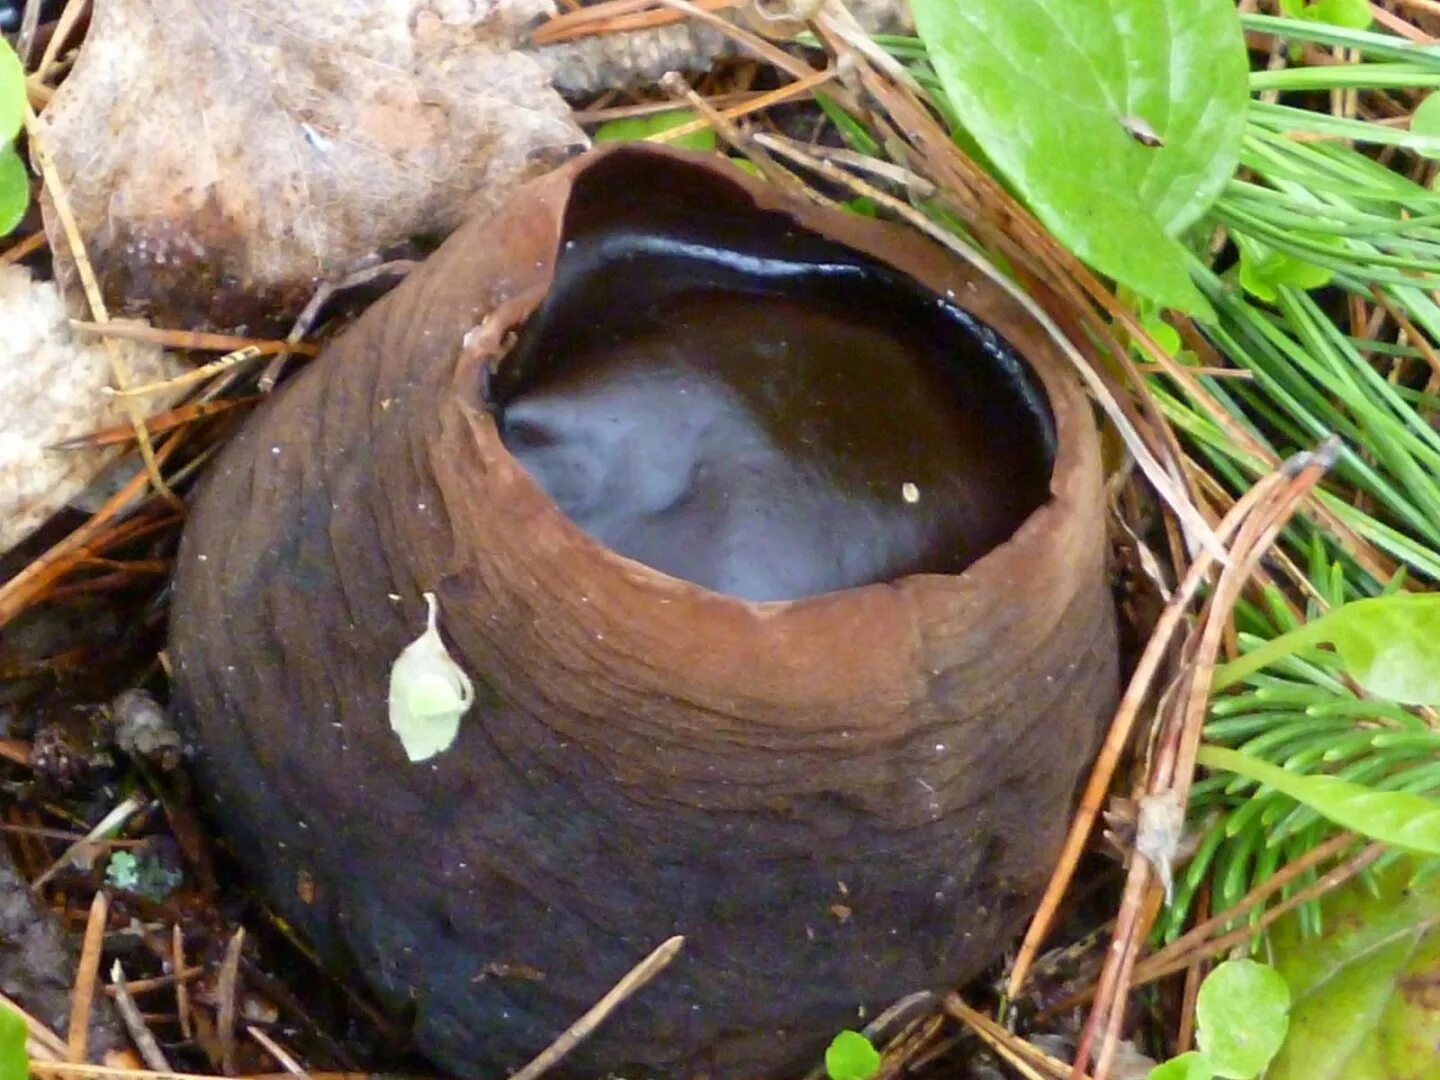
x: 1390, y: 645
x: 1241, y: 1015
x: 851, y: 1056
x: 14, y: 181
x: 143, y: 875
x: 14, y: 1062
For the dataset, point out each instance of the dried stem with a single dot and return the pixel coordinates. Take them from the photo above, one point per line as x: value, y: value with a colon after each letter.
x: 632, y: 981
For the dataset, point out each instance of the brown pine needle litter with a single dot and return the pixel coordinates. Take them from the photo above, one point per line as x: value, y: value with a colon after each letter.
x: 1216, y: 548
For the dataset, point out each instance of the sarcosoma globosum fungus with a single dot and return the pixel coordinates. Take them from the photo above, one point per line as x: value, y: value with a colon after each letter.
x: 771, y: 541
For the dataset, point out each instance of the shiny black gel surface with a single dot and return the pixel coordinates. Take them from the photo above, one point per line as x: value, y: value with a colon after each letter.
x: 763, y: 412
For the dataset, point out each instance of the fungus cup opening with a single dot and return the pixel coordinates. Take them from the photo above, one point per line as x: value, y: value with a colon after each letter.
x: 714, y: 391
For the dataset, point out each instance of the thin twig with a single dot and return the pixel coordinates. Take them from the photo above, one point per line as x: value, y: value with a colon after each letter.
x: 614, y: 17
x: 74, y: 10
x: 1024, y: 1057
x: 17, y: 251
x: 190, y: 339
x: 134, y: 1022
x: 674, y: 83
x: 275, y: 1050
x: 633, y: 980
x: 182, y: 991
x: 306, y: 321
x: 752, y: 104
x: 1117, y: 739
x: 27, y: 587
x: 1173, y: 764
x: 753, y: 43
x: 119, y: 366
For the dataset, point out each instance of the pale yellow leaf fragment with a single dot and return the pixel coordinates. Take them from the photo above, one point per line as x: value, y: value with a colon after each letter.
x: 429, y: 692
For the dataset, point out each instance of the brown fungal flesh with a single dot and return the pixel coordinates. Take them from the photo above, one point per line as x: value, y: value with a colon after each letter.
x: 836, y: 798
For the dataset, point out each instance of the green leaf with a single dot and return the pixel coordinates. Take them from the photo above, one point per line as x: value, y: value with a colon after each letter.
x: 635, y: 128
x: 1053, y: 91
x: 1425, y: 120
x: 851, y: 1056
x: 14, y: 190
x: 1390, y: 645
x: 1165, y: 335
x: 1366, y: 1005
x: 14, y: 1062
x: 1351, y: 14
x: 1399, y: 818
x: 1241, y: 1014
x: 12, y: 93
x: 1191, y: 1066
x: 1263, y: 269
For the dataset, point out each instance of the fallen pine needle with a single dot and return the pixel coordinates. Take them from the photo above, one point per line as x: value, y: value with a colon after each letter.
x: 82, y: 998
x: 16, y: 252
x: 119, y: 366
x: 134, y: 1021
x: 633, y: 980
x: 1025, y: 1058
x: 191, y: 339
x: 275, y: 1050
x: 229, y: 993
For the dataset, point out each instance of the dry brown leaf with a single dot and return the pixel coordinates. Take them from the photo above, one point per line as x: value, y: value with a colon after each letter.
x: 223, y: 155
x: 50, y: 390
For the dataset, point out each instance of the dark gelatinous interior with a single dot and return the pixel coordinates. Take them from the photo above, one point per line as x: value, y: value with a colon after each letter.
x: 731, y: 400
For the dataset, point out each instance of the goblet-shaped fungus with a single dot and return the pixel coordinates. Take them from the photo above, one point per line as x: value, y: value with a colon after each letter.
x: 778, y: 575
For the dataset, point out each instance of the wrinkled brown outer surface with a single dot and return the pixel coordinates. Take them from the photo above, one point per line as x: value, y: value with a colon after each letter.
x: 836, y: 800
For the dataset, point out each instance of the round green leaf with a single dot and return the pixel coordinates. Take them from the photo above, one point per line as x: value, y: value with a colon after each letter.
x: 14, y: 190
x: 1241, y: 1014
x: 1390, y: 645
x: 1366, y: 1005
x: 14, y: 1062
x: 851, y: 1056
x: 1119, y: 121
x: 1191, y: 1066
x: 12, y: 93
